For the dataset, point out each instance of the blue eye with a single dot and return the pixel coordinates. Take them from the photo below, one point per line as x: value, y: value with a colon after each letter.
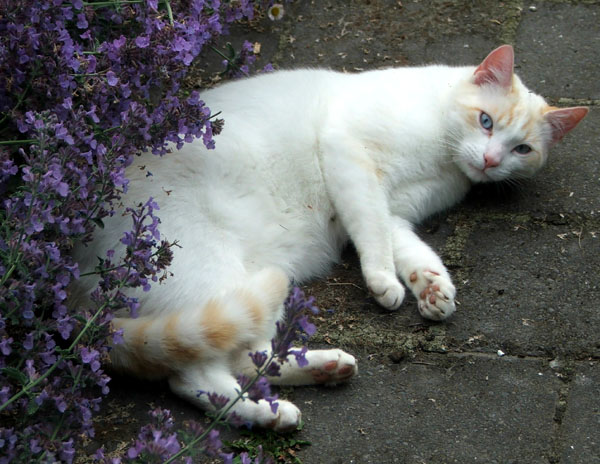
x: 486, y: 121
x: 522, y: 149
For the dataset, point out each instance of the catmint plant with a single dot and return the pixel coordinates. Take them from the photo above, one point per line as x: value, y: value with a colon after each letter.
x: 84, y: 87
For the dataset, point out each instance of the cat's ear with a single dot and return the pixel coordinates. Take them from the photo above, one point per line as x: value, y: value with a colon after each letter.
x: 562, y: 120
x: 497, y: 68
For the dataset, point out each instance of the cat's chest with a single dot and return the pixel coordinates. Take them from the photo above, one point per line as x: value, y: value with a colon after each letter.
x: 417, y: 196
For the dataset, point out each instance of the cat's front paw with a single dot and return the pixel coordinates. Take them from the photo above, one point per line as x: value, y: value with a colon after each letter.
x: 435, y: 294
x: 386, y: 289
x: 288, y: 417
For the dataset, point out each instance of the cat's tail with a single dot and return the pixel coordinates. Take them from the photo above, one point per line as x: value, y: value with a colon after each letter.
x: 154, y: 346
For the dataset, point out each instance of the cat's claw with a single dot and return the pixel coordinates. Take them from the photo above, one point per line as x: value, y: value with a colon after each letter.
x: 435, y: 294
x: 386, y: 289
x: 337, y: 370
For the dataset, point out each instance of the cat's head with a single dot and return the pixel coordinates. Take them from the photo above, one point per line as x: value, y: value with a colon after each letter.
x: 502, y: 130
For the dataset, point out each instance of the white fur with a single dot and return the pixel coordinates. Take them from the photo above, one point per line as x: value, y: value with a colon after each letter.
x: 307, y: 160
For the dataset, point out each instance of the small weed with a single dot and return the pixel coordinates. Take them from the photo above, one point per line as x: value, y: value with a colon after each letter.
x: 282, y: 448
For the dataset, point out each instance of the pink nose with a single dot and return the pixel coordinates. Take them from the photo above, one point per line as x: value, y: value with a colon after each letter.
x: 491, y: 161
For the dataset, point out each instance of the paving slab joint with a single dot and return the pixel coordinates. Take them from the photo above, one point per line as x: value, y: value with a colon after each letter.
x: 511, y: 22
x: 453, y: 254
x: 565, y: 101
x: 560, y: 408
x: 282, y: 43
x: 572, y: 2
x: 503, y: 357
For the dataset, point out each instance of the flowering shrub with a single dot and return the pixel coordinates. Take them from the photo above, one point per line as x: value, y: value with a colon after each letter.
x: 85, y: 86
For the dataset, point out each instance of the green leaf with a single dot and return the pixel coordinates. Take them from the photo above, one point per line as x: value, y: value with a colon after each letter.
x: 231, y: 51
x: 15, y: 374
x: 32, y: 407
x: 98, y: 222
x: 80, y: 318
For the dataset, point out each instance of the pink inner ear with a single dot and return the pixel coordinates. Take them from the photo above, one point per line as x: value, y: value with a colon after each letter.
x: 497, y: 68
x: 563, y: 120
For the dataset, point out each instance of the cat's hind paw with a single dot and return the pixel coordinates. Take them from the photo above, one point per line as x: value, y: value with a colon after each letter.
x: 386, y: 289
x: 335, y: 367
x: 435, y: 294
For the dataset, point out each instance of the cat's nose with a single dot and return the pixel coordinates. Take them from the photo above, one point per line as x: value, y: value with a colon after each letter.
x: 491, y: 160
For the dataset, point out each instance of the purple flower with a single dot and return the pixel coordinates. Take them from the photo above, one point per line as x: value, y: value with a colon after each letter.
x: 135, y: 451
x: 308, y: 328
x: 92, y: 87
x: 61, y: 133
x: 258, y: 358
x: 111, y: 78
x: 28, y: 342
x: 273, y: 369
x: 213, y: 443
x: 82, y: 21
x: 91, y: 357
x: 67, y: 452
x: 295, y: 326
x: 155, y: 440
x: 217, y: 401
x: 34, y: 446
x: 142, y: 41
x: 61, y: 404
x: 5, y: 346
x: 300, y: 356
x: 65, y: 327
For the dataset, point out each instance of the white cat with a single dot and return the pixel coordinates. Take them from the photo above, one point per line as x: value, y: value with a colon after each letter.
x: 308, y: 160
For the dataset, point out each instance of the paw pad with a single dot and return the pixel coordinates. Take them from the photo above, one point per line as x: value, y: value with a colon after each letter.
x: 335, y: 371
x: 435, y: 294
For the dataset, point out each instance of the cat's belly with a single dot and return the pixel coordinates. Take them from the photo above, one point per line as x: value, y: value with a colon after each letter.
x: 232, y: 211
x: 258, y: 229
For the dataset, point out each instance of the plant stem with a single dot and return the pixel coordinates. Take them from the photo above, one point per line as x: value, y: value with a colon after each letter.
x: 54, y: 433
x: 19, y: 101
x: 62, y: 417
x: 111, y: 3
x: 18, y: 142
x: 220, y: 53
x: 85, y: 274
x: 170, y: 12
x: 61, y: 358
x: 8, y: 273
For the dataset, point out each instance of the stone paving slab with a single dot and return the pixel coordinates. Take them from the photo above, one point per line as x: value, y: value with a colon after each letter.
x: 581, y: 423
x: 438, y: 393
x: 356, y: 34
x: 570, y: 182
x: 530, y: 288
x: 468, y: 411
x: 559, y: 49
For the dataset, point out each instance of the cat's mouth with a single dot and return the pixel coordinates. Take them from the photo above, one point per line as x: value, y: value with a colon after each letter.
x: 478, y: 174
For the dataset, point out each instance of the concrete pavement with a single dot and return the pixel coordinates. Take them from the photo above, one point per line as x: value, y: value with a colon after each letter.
x: 526, y: 261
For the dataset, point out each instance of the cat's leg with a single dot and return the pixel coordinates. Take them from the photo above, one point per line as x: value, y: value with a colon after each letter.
x: 253, y: 308
x: 237, y: 317
x: 193, y: 346
x: 329, y: 367
x: 355, y: 188
x: 193, y: 383
x: 423, y: 272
